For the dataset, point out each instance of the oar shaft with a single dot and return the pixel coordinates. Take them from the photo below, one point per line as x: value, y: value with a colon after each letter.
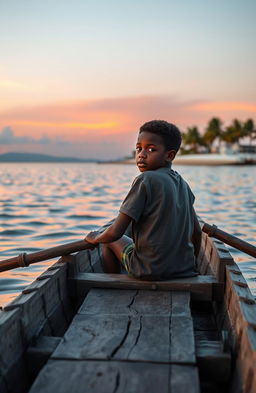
x: 27, y: 259
x: 231, y: 240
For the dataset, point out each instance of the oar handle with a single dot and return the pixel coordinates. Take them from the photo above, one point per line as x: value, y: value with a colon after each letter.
x: 231, y: 240
x: 24, y: 260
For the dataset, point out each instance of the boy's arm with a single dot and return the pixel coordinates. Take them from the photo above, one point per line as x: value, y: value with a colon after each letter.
x: 112, y: 233
x: 197, y: 234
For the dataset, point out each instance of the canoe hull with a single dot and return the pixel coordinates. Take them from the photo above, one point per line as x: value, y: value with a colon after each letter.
x: 32, y: 326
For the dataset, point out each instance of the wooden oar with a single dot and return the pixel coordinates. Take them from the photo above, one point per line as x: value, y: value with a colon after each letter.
x: 233, y: 241
x: 24, y: 260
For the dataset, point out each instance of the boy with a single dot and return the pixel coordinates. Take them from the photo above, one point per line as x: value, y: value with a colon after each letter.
x: 165, y: 230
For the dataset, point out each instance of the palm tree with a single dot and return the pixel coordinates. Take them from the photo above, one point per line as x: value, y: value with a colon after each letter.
x: 234, y: 132
x: 212, y: 132
x: 193, y: 139
x: 249, y: 129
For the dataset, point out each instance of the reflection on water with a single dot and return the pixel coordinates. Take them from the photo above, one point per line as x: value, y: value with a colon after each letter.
x: 44, y: 205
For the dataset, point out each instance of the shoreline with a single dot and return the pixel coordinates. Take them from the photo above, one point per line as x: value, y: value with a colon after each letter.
x: 202, y: 159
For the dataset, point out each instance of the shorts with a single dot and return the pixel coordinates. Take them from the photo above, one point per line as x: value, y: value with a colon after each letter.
x: 126, y: 256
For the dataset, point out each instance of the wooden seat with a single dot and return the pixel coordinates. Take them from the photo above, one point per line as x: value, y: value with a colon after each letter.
x: 204, y: 287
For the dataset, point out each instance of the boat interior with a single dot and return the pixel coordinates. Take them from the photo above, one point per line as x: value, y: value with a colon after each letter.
x: 76, y: 329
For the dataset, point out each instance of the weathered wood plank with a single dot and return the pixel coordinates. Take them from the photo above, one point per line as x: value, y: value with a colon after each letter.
x: 59, y: 319
x: 128, y: 337
x: 117, y: 301
x: 182, y: 343
x: 52, y: 283
x: 237, y: 286
x: 107, y: 377
x: 12, y: 362
x: 180, y: 304
x: 84, y: 261
x: 33, y: 315
x: 44, y: 304
x: 201, y: 287
x: 247, y: 359
x: 182, y: 348
x: 132, y: 325
x: 238, y: 292
x: 240, y: 302
x: 213, y: 257
x: 249, y: 312
x: 144, y: 338
x: 183, y: 379
x: 237, y: 278
x: 241, y: 308
x: 11, y: 340
x: 220, y: 258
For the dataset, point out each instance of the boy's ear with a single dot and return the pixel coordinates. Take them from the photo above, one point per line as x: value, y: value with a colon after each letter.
x: 171, y: 155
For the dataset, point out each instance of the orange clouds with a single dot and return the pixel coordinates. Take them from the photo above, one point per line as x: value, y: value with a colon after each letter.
x: 86, y: 126
x: 116, y: 119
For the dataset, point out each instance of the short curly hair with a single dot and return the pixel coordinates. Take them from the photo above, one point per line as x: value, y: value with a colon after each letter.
x: 170, y: 134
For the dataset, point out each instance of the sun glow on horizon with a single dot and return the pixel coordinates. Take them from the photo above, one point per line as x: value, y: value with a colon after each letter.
x: 106, y: 126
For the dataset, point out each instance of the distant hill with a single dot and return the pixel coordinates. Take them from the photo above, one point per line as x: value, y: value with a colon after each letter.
x: 34, y: 157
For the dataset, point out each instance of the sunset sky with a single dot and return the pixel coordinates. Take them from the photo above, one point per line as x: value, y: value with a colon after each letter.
x: 79, y: 77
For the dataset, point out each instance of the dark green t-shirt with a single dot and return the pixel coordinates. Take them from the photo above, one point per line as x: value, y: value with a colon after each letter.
x: 160, y: 204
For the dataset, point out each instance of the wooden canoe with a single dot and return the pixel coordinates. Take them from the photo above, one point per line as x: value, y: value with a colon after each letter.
x: 76, y: 329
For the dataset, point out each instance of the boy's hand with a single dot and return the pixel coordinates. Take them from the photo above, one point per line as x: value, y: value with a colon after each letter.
x: 91, y: 238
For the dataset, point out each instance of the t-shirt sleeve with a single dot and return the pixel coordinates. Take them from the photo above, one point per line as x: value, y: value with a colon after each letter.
x: 134, y: 202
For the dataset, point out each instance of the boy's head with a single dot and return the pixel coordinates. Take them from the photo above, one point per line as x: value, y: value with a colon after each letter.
x: 170, y: 134
x: 157, y: 144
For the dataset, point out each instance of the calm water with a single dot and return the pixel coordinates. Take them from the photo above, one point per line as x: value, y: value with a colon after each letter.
x: 43, y: 205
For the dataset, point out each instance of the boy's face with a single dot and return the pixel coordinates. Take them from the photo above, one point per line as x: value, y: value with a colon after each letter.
x: 151, y: 153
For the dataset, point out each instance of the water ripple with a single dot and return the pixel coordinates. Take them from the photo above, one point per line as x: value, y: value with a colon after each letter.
x: 55, y: 234
x: 16, y: 232
x: 85, y: 217
x: 61, y: 202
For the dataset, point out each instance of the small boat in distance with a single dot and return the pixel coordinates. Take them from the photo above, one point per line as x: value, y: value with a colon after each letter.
x: 76, y: 329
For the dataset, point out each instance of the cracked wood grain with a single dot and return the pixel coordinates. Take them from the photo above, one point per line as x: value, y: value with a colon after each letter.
x: 116, y: 337
x: 125, y: 341
x: 64, y: 376
x: 140, y: 333
x: 119, y: 301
